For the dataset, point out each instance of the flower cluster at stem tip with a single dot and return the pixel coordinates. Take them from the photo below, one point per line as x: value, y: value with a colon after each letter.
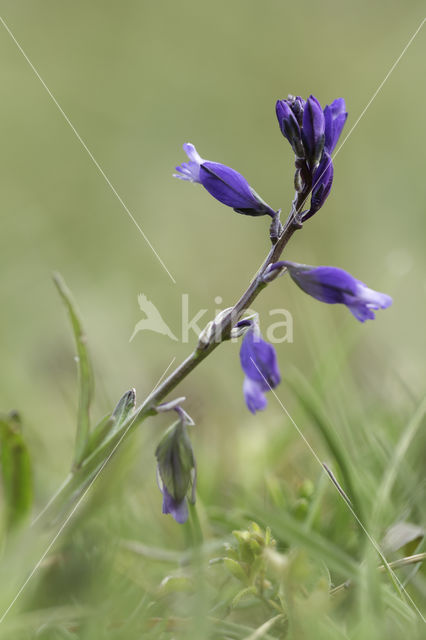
x: 313, y: 133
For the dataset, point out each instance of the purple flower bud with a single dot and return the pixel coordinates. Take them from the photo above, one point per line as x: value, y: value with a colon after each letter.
x: 335, y: 116
x: 223, y: 183
x: 313, y: 131
x: 176, y: 471
x: 259, y: 363
x: 321, y: 184
x: 297, y: 105
x: 334, y: 286
x: 289, y: 126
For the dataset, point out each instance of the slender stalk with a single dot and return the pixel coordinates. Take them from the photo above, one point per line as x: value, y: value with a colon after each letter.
x: 396, y: 564
x: 93, y: 463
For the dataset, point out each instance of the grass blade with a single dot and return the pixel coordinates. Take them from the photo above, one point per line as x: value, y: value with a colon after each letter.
x: 15, y: 472
x: 85, y: 374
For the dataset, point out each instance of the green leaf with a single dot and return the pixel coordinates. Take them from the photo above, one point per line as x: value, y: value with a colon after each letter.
x: 99, y: 434
x: 236, y: 569
x: 85, y: 374
x: 111, y: 423
x: 15, y: 471
x: 247, y: 591
x: 124, y: 407
x: 402, y: 534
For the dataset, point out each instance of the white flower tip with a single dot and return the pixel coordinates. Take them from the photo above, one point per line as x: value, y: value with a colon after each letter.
x: 192, y: 153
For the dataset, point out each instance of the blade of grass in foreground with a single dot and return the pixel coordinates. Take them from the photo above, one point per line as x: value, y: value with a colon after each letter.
x: 312, y: 405
x: 394, y: 465
x: 85, y: 374
x: 15, y: 471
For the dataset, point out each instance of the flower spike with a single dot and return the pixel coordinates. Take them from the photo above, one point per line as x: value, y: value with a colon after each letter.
x: 313, y: 134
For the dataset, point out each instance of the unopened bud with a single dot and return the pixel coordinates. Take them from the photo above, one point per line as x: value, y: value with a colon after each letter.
x: 176, y: 471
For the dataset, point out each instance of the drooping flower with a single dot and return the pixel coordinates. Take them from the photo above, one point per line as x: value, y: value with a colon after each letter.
x: 334, y: 286
x: 259, y: 363
x: 176, y: 471
x: 223, y: 183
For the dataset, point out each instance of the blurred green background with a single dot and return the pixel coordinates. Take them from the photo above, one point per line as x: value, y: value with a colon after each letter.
x: 137, y: 79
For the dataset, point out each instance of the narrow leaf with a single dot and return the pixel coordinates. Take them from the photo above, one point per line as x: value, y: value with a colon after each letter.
x: 85, y: 373
x: 111, y: 422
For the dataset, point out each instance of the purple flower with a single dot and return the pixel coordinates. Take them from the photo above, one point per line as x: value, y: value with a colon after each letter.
x: 334, y: 286
x: 176, y: 471
x: 259, y: 363
x: 321, y: 184
x: 313, y: 131
x: 335, y: 116
x: 313, y: 134
x: 223, y: 183
x: 177, y: 509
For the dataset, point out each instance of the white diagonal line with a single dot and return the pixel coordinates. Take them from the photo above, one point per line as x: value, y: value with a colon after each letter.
x: 52, y: 499
x: 380, y: 87
x: 76, y: 506
x: 344, y: 498
x: 363, y: 112
x: 65, y: 482
x: 89, y: 153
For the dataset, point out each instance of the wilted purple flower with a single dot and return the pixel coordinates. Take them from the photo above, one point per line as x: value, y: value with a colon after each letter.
x: 335, y: 116
x: 176, y: 471
x: 321, y: 184
x: 333, y: 285
x: 223, y: 183
x: 259, y: 363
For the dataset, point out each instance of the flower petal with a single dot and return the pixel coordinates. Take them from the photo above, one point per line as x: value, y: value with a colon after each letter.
x: 366, y: 301
x: 259, y: 360
x: 254, y: 395
x: 190, y: 171
x: 231, y: 188
x: 179, y: 510
x: 289, y: 126
x: 313, y: 130
x: 335, y: 116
